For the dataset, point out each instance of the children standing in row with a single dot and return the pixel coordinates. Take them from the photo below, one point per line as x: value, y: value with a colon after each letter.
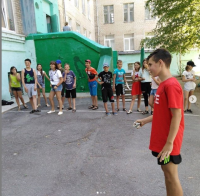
x: 40, y: 84
x: 136, y: 87
x: 189, y: 86
x: 29, y: 81
x: 70, y: 84
x: 15, y: 87
x: 106, y: 89
x: 118, y: 83
x: 56, y: 80
x: 92, y: 82
x: 145, y: 84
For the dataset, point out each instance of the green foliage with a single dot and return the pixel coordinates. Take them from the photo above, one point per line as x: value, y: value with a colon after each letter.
x: 178, y: 26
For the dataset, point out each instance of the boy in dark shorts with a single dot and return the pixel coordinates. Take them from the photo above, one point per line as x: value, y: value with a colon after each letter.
x: 167, y: 120
x: 106, y: 89
x: 118, y: 83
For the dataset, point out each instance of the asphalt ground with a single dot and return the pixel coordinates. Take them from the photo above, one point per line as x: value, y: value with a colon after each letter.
x: 88, y: 153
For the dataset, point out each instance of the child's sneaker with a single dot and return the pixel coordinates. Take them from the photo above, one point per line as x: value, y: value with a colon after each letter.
x: 115, y: 113
x: 107, y: 113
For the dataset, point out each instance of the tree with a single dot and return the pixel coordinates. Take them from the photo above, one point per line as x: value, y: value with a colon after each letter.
x: 178, y: 26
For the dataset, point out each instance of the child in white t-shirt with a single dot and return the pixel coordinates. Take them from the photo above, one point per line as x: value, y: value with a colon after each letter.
x: 189, y: 86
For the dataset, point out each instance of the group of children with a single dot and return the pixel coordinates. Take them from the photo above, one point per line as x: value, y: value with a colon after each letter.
x: 63, y: 84
x: 167, y: 120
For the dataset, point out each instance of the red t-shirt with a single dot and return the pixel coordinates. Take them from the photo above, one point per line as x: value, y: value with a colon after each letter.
x: 169, y: 95
x: 91, y: 74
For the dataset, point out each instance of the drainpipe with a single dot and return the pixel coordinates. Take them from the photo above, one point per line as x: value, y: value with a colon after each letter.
x: 65, y: 10
x: 97, y: 20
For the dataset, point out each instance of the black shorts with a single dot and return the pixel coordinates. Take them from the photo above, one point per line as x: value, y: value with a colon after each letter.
x: 176, y: 159
x: 146, y: 86
x: 70, y: 93
x: 107, y: 93
x: 120, y: 90
x: 16, y: 88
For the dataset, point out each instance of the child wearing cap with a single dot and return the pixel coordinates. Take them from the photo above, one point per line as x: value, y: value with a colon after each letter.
x: 92, y: 82
x: 106, y: 89
x: 59, y: 65
x: 118, y: 83
x: 167, y: 121
x: 189, y: 86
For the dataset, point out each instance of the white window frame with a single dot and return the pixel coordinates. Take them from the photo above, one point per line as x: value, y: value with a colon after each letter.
x: 130, y: 38
x: 88, y: 9
x: 90, y: 35
x: 151, y: 7
x: 83, y: 7
x: 76, y: 3
x: 85, y: 32
x: 129, y: 12
x: 109, y: 40
x: 78, y: 25
x: 5, y: 17
x: 110, y: 18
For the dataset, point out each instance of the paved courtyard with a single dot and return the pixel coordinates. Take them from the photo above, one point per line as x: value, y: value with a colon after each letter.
x: 87, y: 153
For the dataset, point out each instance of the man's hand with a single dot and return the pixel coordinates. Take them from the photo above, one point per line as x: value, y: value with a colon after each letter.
x: 101, y: 83
x: 113, y: 89
x: 35, y: 88
x: 165, y: 152
x: 74, y: 85
x: 40, y: 87
x: 141, y: 121
x: 55, y: 87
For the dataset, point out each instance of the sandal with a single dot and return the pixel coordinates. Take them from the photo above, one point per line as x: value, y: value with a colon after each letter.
x: 114, y: 113
x: 138, y: 110
x: 25, y: 106
x: 19, y: 108
x: 73, y: 110
x: 90, y: 107
x: 69, y: 108
x: 47, y: 105
x: 38, y: 105
x: 107, y: 113
x: 145, y: 112
x: 129, y: 112
x: 95, y: 108
x: 124, y: 109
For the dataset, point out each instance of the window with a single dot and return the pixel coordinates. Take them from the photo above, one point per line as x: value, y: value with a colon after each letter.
x: 108, y: 14
x: 7, y: 15
x: 148, y: 35
x: 78, y: 28
x: 128, y: 12
x: 109, y: 41
x: 130, y: 66
x: 148, y: 13
x: 83, y: 6
x: 88, y: 8
x: 129, y: 42
x: 84, y: 32
x: 90, y: 35
x: 76, y: 3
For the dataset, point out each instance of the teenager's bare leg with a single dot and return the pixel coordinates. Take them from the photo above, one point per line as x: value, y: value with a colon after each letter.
x: 35, y: 102
x: 106, y: 106
x: 186, y: 96
x: 31, y: 101
x: 51, y: 96
x: 38, y: 92
x: 44, y: 96
x: 173, y: 185
x: 189, y: 104
x: 132, y: 102
x: 95, y: 101
x: 139, y: 101
x: 19, y: 93
x: 118, y: 102
x: 69, y: 101
x: 123, y: 100
x: 16, y: 98
x: 74, y: 103
x: 58, y: 96
x: 113, y: 106
x: 92, y: 97
x: 63, y: 100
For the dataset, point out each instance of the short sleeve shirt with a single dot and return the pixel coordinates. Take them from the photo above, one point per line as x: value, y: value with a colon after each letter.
x: 189, y: 75
x: 119, y: 76
x: 91, y: 74
x: 145, y: 74
x: 55, y: 76
x: 106, y: 78
x: 169, y: 95
x: 69, y: 80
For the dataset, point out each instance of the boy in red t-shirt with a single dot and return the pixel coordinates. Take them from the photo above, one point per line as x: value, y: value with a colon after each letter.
x: 167, y: 120
x: 92, y: 82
